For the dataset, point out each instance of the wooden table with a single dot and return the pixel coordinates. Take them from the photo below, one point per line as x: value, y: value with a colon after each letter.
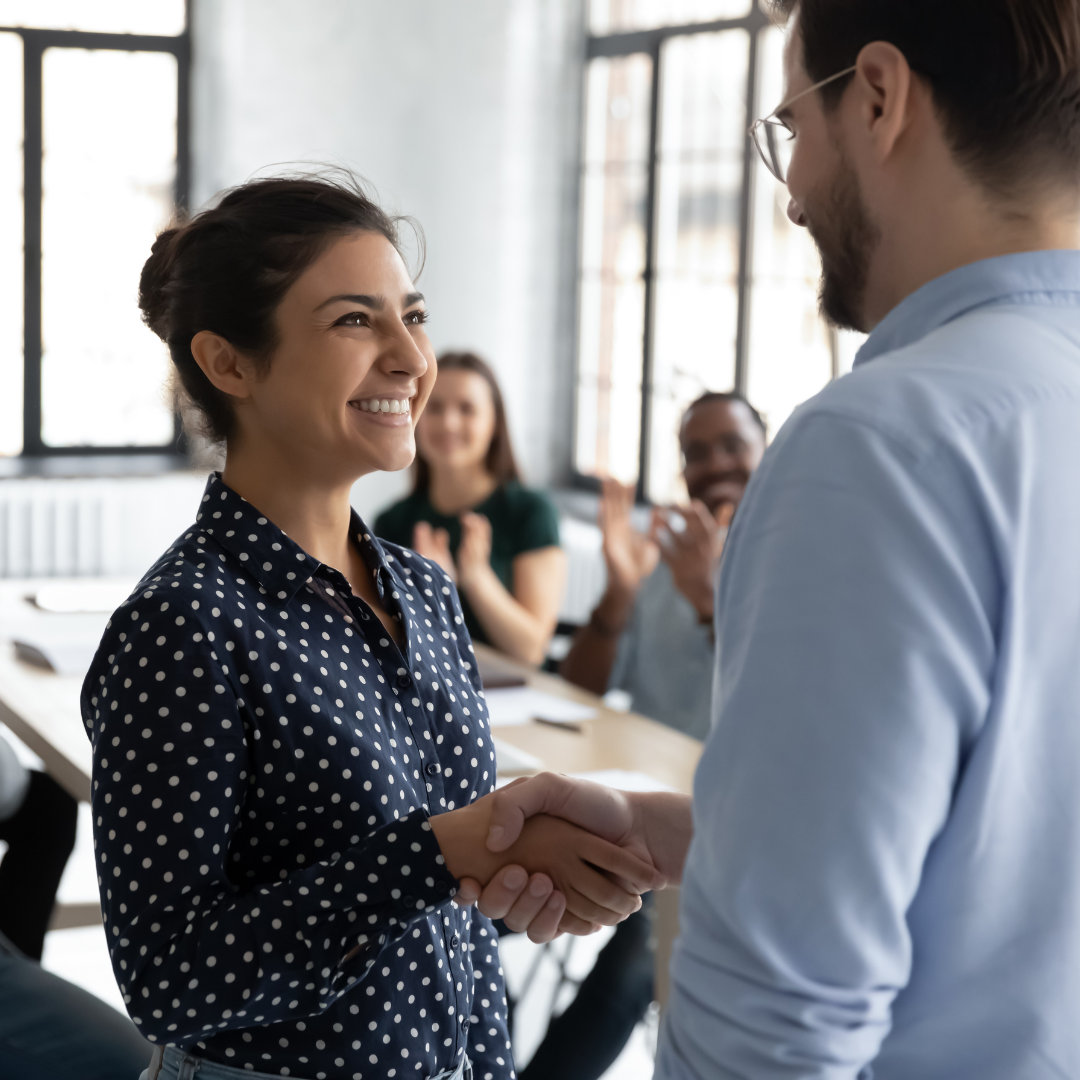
x: 609, y: 740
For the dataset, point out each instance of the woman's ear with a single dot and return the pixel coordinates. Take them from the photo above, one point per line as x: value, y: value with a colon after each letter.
x: 223, y: 364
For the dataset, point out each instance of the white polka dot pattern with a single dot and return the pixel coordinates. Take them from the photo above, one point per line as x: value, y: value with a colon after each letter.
x: 265, y: 761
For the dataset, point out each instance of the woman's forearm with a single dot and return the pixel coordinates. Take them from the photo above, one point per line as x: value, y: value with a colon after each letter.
x: 508, y: 624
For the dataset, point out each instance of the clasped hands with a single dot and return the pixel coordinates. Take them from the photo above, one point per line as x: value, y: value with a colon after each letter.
x: 551, y: 855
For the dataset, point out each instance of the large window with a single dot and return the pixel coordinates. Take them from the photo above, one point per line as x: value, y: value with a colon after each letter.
x: 690, y: 275
x: 93, y: 161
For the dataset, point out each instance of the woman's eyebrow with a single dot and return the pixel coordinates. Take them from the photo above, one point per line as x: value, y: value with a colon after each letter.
x: 377, y: 303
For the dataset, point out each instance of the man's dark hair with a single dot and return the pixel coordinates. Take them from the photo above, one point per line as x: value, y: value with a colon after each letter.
x: 1004, y: 74
x: 729, y: 396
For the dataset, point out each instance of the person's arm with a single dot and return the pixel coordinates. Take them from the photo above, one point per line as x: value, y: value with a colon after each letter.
x: 595, y: 646
x: 519, y: 623
x: 629, y: 558
x: 169, y: 902
x: 856, y: 637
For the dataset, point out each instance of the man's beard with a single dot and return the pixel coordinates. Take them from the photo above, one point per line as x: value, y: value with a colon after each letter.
x: 845, y: 238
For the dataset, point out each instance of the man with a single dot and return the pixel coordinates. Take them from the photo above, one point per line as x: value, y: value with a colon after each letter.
x: 651, y: 636
x: 884, y: 876
x: 651, y: 633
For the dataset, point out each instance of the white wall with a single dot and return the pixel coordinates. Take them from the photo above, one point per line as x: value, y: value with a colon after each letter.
x: 463, y: 114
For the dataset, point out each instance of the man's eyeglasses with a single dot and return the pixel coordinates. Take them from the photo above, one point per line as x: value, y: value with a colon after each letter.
x: 773, y: 137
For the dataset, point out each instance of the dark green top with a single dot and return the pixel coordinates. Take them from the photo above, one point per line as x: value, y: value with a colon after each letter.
x: 521, y: 520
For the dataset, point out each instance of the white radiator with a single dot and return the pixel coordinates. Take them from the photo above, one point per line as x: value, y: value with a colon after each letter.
x: 92, y: 527
x: 586, y: 575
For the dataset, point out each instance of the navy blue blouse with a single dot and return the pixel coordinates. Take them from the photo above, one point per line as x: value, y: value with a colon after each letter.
x: 265, y: 763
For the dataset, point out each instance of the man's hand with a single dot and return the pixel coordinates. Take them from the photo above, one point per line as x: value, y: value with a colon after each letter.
x: 434, y: 545
x: 600, y: 880
x: 655, y: 825
x: 630, y: 557
x: 693, y: 551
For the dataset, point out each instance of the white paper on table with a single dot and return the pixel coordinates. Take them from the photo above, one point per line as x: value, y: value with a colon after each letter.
x: 624, y: 780
x: 509, y: 759
x: 520, y: 704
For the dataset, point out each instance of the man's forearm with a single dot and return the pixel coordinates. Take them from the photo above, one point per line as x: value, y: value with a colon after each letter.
x: 665, y: 824
x: 595, y: 646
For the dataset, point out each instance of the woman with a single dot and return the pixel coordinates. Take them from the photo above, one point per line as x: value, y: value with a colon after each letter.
x: 290, y: 739
x: 469, y: 512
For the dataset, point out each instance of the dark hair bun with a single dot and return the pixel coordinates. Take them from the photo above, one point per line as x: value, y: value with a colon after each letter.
x: 156, y: 283
x: 226, y: 269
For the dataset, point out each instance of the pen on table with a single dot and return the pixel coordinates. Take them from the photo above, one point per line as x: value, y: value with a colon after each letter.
x: 566, y: 725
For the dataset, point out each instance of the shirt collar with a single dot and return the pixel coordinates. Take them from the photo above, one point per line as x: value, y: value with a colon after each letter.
x: 1043, y: 277
x: 279, y: 564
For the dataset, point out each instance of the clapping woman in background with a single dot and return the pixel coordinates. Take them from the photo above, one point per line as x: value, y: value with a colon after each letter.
x: 470, y: 513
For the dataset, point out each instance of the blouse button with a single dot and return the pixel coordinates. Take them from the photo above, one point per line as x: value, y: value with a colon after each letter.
x: 455, y: 941
x: 432, y: 768
x: 404, y: 681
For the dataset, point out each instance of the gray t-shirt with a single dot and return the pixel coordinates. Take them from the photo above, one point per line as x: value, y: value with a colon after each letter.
x: 665, y: 658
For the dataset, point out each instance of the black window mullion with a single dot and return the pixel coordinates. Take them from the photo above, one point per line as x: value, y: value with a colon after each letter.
x: 746, y: 224
x: 33, y: 49
x: 35, y: 42
x: 652, y: 185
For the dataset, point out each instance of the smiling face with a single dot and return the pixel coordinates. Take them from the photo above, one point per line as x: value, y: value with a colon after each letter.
x: 722, y: 445
x: 459, y: 423
x: 352, y: 369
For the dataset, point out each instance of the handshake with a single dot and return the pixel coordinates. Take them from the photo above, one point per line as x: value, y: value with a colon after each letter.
x: 549, y: 854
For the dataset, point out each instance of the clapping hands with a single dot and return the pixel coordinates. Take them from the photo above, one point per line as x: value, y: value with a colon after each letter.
x: 474, y: 551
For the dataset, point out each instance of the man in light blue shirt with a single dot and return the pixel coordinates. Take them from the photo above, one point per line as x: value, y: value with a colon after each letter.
x: 884, y: 876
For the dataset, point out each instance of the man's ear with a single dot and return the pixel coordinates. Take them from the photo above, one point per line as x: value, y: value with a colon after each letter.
x: 886, y: 100
x: 225, y: 366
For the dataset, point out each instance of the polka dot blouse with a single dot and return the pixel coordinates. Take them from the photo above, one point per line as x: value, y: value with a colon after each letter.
x: 265, y: 763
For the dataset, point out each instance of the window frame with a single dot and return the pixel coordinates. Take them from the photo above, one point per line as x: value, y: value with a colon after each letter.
x: 34, y: 43
x: 651, y: 42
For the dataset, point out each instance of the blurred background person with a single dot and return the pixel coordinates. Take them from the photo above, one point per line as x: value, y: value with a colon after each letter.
x: 651, y: 633
x: 651, y: 636
x: 470, y: 513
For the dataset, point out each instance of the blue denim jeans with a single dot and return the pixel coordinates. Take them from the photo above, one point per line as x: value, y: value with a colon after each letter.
x: 172, y: 1064
x: 51, y: 1028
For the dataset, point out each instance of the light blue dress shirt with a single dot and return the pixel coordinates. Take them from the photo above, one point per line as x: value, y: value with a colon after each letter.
x: 885, y: 874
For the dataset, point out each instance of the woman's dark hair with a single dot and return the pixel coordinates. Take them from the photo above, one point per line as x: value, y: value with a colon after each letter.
x: 1004, y: 74
x: 227, y: 268
x: 499, y: 460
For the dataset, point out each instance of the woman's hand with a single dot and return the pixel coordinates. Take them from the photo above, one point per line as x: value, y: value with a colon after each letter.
x: 434, y: 545
x: 526, y: 903
x: 474, y: 551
